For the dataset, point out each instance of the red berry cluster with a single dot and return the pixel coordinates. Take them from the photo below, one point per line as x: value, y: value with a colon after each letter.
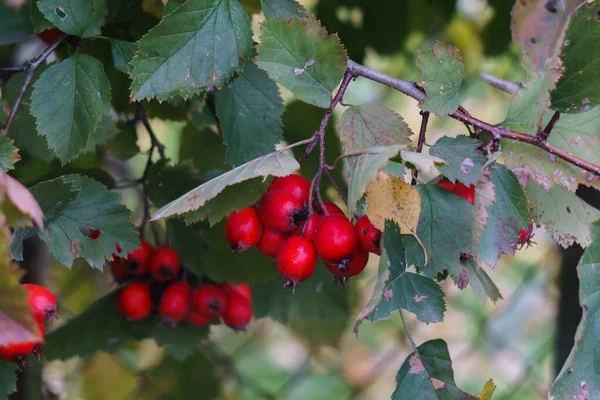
x: 282, y: 228
x: 175, y: 300
x: 43, y: 306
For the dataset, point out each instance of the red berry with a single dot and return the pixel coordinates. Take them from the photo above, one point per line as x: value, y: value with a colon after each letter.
x: 336, y: 238
x: 17, y: 352
x: 238, y: 313
x: 135, y: 301
x: 332, y: 209
x: 42, y: 302
x: 209, y: 301
x: 164, y: 263
x: 309, y: 231
x: 49, y: 36
x: 280, y: 211
x: 137, y: 260
x: 118, y: 248
x: 270, y: 241
x: 174, y: 304
x: 118, y: 269
x: 368, y: 235
x: 295, y: 185
x: 243, y: 229
x: 459, y: 189
x: 525, y: 235
x: 296, y: 260
x: 352, y: 267
x: 196, y: 319
x: 242, y: 289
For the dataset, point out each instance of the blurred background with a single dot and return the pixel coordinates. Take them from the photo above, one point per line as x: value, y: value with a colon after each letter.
x: 519, y: 341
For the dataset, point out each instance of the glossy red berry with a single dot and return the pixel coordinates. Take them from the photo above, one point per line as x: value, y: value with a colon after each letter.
x: 296, y: 260
x: 196, y: 319
x: 280, y: 211
x: 368, y: 235
x: 238, y: 313
x: 210, y: 301
x: 138, y: 260
x: 352, y: 267
x: 270, y: 241
x: 135, y: 301
x: 164, y: 263
x: 118, y: 269
x: 336, y: 238
x: 19, y: 352
x: 174, y: 305
x: 242, y: 289
x: 332, y: 209
x: 309, y: 230
x: 525, y: 236
x: 243, y: 229
x: 42, y: 302
x: 295, y: 185
x: 468, y: 192
x: 49, y: 36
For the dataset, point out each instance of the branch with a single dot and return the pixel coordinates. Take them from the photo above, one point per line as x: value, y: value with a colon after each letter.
x: 410, y: 89
x: 30, y: 68
x: 509, y: 87
x: 542, y: 136
x: 421, y: 141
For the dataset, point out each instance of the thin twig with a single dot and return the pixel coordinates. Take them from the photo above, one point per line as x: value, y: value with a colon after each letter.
x: 542, y: 136
x: 421, y: 141
x: 336, y: 186
x: 497, y: 132
x: 410, y: 339
x: 509, y: 87
x: 30, y: 68
x: 143, y: 118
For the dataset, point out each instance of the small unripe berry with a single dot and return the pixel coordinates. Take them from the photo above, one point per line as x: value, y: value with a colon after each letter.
x: 336, y: 238
x: 270, y: 241
x: 238, y: 313
x: 174, y: 304
x: 296, y: 260
x: 242, y: 289
x: 459, y: 189
x: 42, y: 302
x: 164, y: 263
x: 138, y: 260
x: 368, y: 235
x: 280, y: 211
x: 209, y: 301
x: 135, y: 301
x: 243, y: 229
x: 295, y: 185
x: 195, y: 319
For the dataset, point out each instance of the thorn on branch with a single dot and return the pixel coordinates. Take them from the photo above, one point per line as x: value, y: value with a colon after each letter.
x: 543, y: 135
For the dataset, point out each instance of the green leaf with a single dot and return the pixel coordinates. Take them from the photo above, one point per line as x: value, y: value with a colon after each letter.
x: 427, y: 374
x: 564, y: 215
x: 99, y: 327
x: 465, y: 159
x: 68, y: 101
x: 123, y: 145
x: 167, y: 182
x: 301, y: 56
x: 250, y: 112
x: 318, y: 310
x: 73, y: 16
x: 123, y: 53
x: 197, y: 46
x: 504, y: 218
x: 578, y: 88
x: 445, y: 228
x: 479, y: 280
x: 94, y: 208
x: 14, y: 25
x: 8, y: 154
x: 276, y: 164
x: 39, y: 22
x: 8, y: 377
x: 106, y: 130
x: 405, y: 290
x: 319, y: 386
x: 364, y: 167
x: 578, y: 377
x: 285, y: 9
x: 529, y: 104
x: 370, y: 125
x: 442, y: 72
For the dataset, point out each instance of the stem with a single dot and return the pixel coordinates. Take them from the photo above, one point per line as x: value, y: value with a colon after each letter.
x: 421, y: 141
x: 335, y: 185
x: 143, y: 118
x: 30, y: 68
x: 410, y: 89
x: 412, y: 342
x: 542, y: 136
x: 509, y: 87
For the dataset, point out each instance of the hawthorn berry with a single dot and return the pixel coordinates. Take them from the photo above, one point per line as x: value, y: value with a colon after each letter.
x: 270, y: 241
x: 210, y: 301
x: 368, y: 235
x: 352, y: 267
x: 242, y: 289
x: 295, y: 185
x: 459, y: 189
x: 118, y: 269
x: 174, y: 304
x: 137, y: 260
x: 332, y: 208
x: 296, y: 260
x: 18, y: 353
x: 309, y: 230
x: 525, y: 236
x: 135, y: 301
x: 280, y: 211
x: 42, y: 302
x: 336, y: 238
x: 196, y: 319
x: 164, y: 263
x: 37, y: 349
x: 243, y: 229
x: 49, y: 36
x: 238, y: 313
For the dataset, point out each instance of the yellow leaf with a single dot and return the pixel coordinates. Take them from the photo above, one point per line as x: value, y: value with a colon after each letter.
x: 488, y: 391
